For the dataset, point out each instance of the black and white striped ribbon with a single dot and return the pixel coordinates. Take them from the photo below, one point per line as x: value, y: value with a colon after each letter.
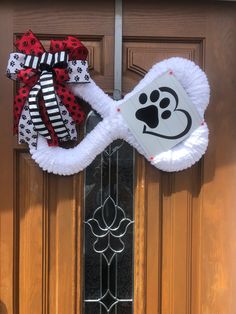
x: 46, y: 85
x: 47, y: 59
x: 39, y: 125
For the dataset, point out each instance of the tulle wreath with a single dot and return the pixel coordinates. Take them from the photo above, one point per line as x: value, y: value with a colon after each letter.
x: 63, y: 161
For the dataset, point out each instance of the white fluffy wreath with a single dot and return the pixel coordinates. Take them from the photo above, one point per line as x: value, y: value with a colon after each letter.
x: 69, y: 161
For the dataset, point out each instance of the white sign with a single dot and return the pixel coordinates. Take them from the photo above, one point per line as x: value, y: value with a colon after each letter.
x: 161, y: 115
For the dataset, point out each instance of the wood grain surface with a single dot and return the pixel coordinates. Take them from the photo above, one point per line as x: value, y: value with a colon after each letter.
x: 185, y: 223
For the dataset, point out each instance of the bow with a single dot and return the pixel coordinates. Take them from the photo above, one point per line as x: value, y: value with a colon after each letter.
x: 44, y: 75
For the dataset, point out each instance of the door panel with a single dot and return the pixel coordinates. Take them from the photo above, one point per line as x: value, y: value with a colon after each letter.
x: 41, y: 245
x: 185, y: 223
x: 190, y: 227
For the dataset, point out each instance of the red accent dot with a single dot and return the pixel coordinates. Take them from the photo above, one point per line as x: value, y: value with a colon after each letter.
x: 151, y: 158
x: 171, y: 72
x: 118, y: 109
x: 203, y: 123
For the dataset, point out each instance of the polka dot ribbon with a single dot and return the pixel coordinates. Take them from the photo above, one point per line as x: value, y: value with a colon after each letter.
x: 44, y: 76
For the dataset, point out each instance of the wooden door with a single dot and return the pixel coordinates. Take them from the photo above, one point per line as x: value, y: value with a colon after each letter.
x: 185, y: 223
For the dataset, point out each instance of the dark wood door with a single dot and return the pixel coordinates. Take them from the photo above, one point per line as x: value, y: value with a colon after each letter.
x: 185, y: 223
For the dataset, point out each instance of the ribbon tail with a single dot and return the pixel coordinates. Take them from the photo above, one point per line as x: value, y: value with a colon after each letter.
x: 36, y: 118
x: 26, y: 131
x: 18, y: 105
x: 71, y: 103
x: 51, y: 104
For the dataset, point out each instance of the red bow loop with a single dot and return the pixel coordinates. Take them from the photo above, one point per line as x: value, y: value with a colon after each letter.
x: 60, y: 75
x: 29, y: 44
x: 56, y: 46
x: 73, y: 46
x: 75, y: 49
x: 28, y: 76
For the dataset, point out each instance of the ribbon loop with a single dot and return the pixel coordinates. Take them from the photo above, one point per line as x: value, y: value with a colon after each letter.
x: 61, y: 59
x: 15, y: 64
x: 39, y: 125
x: 31, y: 62
x: 46, y: 61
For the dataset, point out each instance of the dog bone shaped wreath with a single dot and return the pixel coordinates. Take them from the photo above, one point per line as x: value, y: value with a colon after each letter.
x: 150, y: 111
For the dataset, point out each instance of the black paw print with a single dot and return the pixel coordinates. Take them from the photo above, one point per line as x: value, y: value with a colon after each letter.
x: 86, y: 77
x: 70, y: 70
x: 16, y: 57
x: 27, y: 131
x: 64, y: 112
x: 150, y: 114
x: 74, y: 62
x: 12, y: 63
x: 22, y: 126
x: 83, y: 62
x: 23, y: 117
x: 79, y: 70
x: 77, y: 78
x: 161, y: 107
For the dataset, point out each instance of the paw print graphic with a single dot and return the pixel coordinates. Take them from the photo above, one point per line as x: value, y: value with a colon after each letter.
x: 77, y: 78
x: 16, y: 57
x: 12, y: 63
x: 155, y: 110
x: 160, y: 105
x: 79, y: 69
